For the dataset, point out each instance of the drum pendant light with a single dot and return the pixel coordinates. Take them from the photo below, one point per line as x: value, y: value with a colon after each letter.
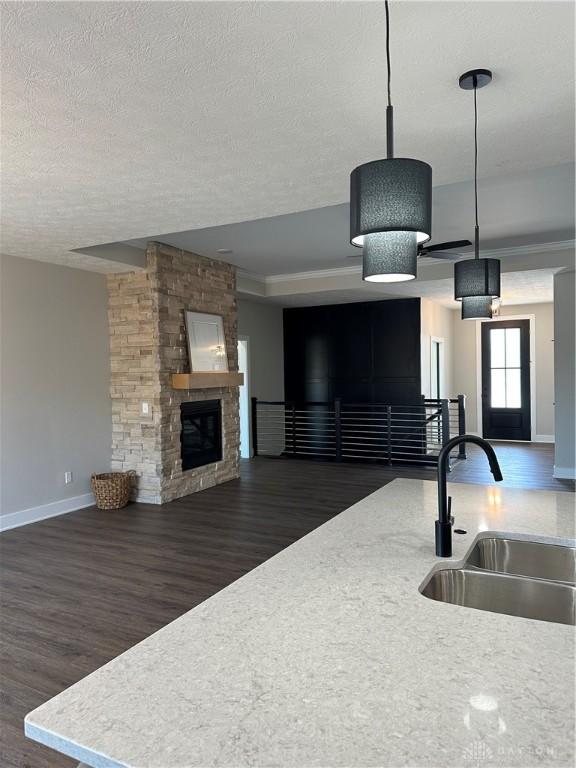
x: 476, y: 307
x: 390, y: 206
x: 476, y: 281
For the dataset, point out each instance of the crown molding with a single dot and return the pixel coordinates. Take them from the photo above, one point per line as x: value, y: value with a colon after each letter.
x: 244, y: 274
x: 314, y: 273
x: 520, y: 250
x: 353, y: 270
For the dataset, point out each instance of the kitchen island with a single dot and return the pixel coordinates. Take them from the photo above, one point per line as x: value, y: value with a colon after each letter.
x: 328, y: 655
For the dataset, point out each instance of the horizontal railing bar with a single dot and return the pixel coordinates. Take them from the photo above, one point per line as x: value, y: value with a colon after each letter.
x: 398, y: 416
x: 383, y: 415
x: 366, y: 421
x: 291, y: 403
x: 395, y: 454
x: 298, y: 419
x: 299, y: 422
x: 344, y: 404
x: 392, y: 448
x: 287, y: 409
x: 357, y: 451
x: 311, y: 441
x: 419, y: 412
x: 400, y: 441
x: 383, y: 433
x: 357, y: 434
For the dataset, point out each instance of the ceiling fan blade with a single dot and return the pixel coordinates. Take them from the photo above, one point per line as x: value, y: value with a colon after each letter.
x: 446, y: 246
x: 438, y: 251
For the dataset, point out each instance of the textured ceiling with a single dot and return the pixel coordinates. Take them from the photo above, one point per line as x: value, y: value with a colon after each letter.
x: 122, y: 119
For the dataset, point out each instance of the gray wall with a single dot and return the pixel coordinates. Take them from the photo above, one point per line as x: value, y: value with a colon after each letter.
x: 564, y: 374
x: 55, y: 376
x: 262, y: 323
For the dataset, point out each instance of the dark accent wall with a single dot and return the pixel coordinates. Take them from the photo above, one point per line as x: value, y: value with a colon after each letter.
x: 365, y: 353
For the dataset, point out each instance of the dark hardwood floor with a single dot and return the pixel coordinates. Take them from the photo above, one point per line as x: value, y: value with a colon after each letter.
x: 79, y: 589
x: 524, y: 465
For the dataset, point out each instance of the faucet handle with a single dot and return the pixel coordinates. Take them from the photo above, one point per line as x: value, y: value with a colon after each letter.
x: 450, y: 518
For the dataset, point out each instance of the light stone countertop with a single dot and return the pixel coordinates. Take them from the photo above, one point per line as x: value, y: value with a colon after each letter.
x: 328, y: 655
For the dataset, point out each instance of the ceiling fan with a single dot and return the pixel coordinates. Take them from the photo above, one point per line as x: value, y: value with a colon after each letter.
x: 441, y: 250
x: 438, y: 251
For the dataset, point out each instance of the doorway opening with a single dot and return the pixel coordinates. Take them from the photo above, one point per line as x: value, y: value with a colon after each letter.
x: 506, y: 397
x: 436, y: 367
x: 244, y: 395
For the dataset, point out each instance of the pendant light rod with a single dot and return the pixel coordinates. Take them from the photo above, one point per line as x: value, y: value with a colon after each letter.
x: 476, y: 226
x: 476, y: 78
x: 389, y: 108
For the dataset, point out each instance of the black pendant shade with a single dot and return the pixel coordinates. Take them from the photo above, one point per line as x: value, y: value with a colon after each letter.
x: 390, y: 257
x: 476, y: 307
x: 477, y: 277
x: 390, y: 206
x: 391, y: 195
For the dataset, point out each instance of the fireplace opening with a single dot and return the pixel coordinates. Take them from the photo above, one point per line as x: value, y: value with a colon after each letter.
x: 201, y: 435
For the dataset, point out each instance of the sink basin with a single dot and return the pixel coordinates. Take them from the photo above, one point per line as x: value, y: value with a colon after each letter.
x: 502, y: 593
x: 524, y: 558
x: 524, y: 577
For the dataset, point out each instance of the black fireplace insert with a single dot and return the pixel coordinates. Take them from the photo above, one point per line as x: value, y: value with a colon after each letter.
x: 201, y: 435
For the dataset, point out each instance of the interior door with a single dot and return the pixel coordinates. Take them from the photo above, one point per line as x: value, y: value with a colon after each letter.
x: 506, y: 380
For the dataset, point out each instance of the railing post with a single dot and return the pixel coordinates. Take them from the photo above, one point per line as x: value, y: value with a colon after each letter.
x: 294, y: 428
x: 445, y: 418
x: 389, y: 433
x: 338, y: 427
x: 255, y: 426
x: 462, y: 424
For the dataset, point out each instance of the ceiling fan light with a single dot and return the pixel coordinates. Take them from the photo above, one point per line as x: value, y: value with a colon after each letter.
x: 390, y: 257
x: 476, y: 307
x: 476, y: 277
x: 391, y: 195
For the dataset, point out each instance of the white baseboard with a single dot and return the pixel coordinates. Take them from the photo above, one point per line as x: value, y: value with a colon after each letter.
x: 32, y: 515
x: 564, y: 473
x: 543, y: 439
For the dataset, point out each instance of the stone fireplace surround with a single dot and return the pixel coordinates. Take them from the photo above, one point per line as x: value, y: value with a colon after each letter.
x: 147, y: 345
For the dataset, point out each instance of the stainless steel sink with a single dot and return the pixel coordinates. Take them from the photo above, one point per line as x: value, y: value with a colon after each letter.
x: 501, y: 593
x: 525, y: 577
x: 535, y: 559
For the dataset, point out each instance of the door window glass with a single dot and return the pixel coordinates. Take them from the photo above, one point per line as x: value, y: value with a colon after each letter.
x: 505, y: 379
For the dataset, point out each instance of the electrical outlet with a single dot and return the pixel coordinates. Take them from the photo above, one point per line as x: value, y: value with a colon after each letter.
x: 145, y: 409
x: 67, y: 477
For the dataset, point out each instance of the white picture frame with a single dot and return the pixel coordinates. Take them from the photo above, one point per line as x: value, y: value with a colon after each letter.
x: 206, y: 342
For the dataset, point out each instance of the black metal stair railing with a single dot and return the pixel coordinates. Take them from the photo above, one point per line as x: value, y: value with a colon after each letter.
x: 340, y: 431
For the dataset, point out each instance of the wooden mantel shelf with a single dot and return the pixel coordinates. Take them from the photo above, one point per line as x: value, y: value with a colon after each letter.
x: 208, y: 380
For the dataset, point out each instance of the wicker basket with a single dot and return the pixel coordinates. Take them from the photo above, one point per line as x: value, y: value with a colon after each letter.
x: 112, y: 489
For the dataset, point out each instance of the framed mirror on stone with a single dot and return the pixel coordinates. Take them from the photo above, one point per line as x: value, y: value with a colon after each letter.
x: 206, y: 342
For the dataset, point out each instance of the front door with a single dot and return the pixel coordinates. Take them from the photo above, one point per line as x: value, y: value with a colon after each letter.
x: 506, y: 380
